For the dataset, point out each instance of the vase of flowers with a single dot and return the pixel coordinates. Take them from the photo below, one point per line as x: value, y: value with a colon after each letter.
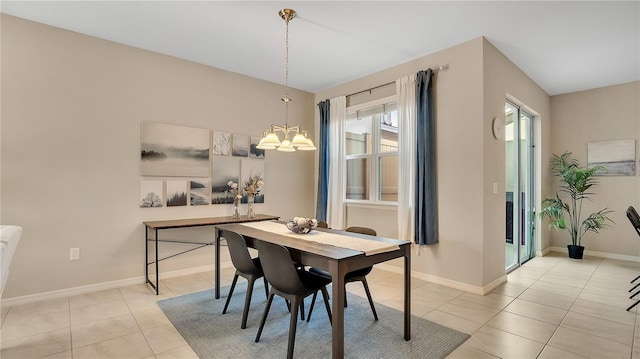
x: 234, y: 190
x: 251, y: 189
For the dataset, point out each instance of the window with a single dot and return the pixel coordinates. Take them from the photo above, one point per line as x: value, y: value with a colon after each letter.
x: 371, y: 146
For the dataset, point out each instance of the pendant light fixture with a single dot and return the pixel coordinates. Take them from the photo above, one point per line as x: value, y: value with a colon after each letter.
x: 300, y: 140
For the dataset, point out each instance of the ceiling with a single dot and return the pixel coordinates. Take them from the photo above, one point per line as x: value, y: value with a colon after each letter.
x: 563, y: 46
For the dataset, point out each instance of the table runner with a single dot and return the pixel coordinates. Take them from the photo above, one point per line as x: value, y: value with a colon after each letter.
x: 368, y: 247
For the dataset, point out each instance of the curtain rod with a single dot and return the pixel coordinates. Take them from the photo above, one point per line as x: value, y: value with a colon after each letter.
x: 437, y: 69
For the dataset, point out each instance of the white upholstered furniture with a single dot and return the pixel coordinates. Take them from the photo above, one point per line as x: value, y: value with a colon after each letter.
x: 9, y: 238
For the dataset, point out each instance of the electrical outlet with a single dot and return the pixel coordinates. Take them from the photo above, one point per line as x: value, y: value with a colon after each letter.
x: 495, y: 187
x: 74, y: 254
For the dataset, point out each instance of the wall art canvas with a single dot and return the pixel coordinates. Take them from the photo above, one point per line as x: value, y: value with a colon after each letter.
x: 255, y: 152
x: 252, y: 168
x: 199, y: 192
x: 618, y: 157
x: 240, y: 145
x: 225, y: 169
x: 221, y: 143
x: 169, y: 150
x: 176, y: 193
x: 150, y: 193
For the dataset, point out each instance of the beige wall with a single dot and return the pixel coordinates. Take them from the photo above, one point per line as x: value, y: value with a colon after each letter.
x: 72, y: 108
x: 602, y: 114
x: 468, y: 95
x: 502, y: 79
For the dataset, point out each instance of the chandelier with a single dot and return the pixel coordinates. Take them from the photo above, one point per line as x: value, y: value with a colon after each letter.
x: 300, y: 140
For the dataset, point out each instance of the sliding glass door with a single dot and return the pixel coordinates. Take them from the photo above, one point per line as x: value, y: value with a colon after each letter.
x: 520, y: 211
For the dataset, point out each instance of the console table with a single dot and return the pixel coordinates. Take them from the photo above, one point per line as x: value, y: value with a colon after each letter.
x: 155, y: 226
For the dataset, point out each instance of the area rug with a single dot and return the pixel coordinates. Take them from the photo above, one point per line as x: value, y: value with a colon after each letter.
x: 211, y: 334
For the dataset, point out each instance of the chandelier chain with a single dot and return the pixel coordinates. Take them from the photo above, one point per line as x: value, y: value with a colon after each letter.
x: 286, y: 71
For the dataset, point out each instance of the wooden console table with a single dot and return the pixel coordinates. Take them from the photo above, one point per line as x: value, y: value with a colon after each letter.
x: 156, y: 226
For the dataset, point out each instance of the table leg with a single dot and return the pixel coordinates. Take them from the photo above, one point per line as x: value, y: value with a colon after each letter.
x: 217, y: 263
x: 157, y: 271
x: 337, y: 309
x: 146, y: 251
x: 407, y: 292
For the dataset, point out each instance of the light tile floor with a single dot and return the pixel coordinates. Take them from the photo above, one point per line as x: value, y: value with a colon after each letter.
x: 552, y: 307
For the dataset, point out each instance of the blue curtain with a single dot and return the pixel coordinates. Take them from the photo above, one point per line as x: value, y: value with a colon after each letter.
x: 323, y: 159
x: 426, y: 196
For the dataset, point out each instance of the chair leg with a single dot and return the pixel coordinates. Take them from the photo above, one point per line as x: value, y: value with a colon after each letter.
x: 366, y: 289
x: 345, y: 295
x: 638, y: 277
x: 634, y: 287
x: 247, y: 303
x: 325, y: 295
x: 266, y: 287
x: 313, y: 302
x: 302, y: 309
x: 293, y: 325
x: 264, y: 317
x: 634, y: 294
x: 633, y: 305
x: 233, y: 285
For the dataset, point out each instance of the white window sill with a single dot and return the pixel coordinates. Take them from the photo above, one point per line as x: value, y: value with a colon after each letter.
x: 391, y: 206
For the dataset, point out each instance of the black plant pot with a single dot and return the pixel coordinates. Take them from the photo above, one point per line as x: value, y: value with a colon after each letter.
x: 575, y: 252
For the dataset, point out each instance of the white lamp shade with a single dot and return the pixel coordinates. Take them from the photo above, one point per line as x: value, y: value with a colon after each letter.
x: 271, y: 140
x: 299, y: 140
x: 286, y: 147
x: 308, y: 147
x: 262, y: 146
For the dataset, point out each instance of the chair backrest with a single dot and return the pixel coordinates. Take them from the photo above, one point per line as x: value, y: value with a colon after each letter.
x: 362, y: 230
x: 278, y: 267
x: 239, y: 253
x: 9, y: 238
x: 634, y: 218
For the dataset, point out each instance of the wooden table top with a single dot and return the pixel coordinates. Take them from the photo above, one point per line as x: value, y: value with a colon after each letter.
x: 208, y: 221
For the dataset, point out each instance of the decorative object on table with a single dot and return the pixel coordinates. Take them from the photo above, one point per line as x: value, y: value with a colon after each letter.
x: 577, y: 183
x: 234, y: 191
x: 169, y: 150
x: 301, y: 139
x: 617, y: 157
x: 150, y: 193
x: 176, y: 193
x: 248, y: 169
x: 199, y: 193
x: 301, y: 225
x: 251, y: 189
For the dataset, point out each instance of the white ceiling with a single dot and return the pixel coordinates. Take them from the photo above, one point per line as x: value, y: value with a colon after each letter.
x: 563, y: 46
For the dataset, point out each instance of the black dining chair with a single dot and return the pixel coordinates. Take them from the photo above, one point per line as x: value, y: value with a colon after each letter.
x: 290, y: 282
x: 246, y: 267
x: 634, y: 218
x: 359, y: 275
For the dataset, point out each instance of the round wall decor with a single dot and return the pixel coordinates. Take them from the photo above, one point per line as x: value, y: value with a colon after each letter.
x: 497, y: 128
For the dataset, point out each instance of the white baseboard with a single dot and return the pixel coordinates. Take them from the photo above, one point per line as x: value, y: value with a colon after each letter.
x: 447, y: 282
x: 621, y: 257
x: 69, y: 292
x: 543, y: 252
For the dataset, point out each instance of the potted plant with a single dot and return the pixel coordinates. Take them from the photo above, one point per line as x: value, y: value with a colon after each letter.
x: 576, y: 183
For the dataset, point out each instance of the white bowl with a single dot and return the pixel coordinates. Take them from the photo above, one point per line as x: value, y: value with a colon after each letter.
x: 301, y: 225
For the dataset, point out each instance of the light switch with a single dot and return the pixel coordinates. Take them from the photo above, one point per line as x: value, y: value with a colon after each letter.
x: 495, y: 187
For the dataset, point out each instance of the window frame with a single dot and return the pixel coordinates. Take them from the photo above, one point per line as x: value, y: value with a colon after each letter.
x: 374, y: 157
